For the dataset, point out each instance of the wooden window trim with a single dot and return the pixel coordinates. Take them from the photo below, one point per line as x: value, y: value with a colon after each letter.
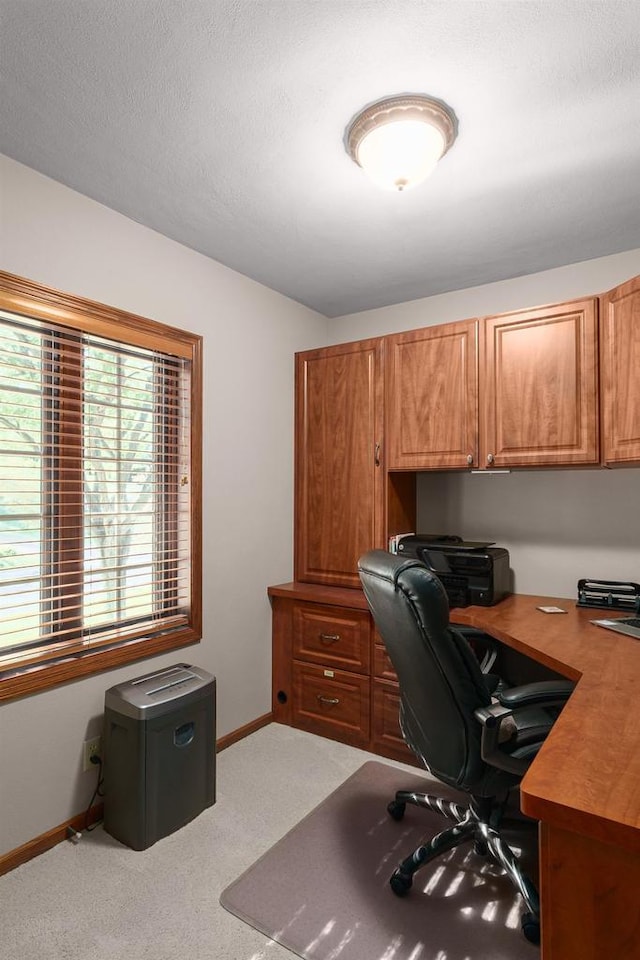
x: 22, y: 296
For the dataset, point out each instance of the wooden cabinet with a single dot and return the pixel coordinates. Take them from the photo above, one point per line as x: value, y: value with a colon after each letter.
x: 517, y: 390
x: 539, y: 387
x: 620, y: 374
x: 331, y: 675
x: 321, y: 656
x: 432, y: 397
x: 339, y: 504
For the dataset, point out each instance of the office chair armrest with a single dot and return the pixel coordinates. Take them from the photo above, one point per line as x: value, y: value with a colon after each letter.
x: 491, y: 719
x: 546, y: 693
x: 504, y: 753
x: 492, y: 716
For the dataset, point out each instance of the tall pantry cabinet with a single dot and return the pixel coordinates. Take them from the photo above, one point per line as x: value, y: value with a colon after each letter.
x: 339, y: 478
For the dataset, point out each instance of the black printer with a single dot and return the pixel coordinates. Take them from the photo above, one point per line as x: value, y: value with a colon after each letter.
x: 471, y: 572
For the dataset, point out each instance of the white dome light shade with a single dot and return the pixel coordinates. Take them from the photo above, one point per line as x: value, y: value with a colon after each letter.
x: 398, y: 141
x: 400, y: 154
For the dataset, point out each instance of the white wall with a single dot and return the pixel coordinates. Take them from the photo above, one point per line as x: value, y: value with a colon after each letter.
x: 551, y: 286
x: 558, y: 525
x: 57, y: 237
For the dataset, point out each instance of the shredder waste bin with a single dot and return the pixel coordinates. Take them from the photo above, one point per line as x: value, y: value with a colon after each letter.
x: 159, y: 756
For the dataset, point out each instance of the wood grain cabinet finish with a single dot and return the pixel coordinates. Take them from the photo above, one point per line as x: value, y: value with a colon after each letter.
x: 382, y: 666
x: 332, y: 703
x: 386, y: 735
x: 620, y: 374
x: 539, y: 387
x: 432, y: 397
x: 587, y: 891
x: 332, y: 636
x: 331, y: 673
x: 339, y: 504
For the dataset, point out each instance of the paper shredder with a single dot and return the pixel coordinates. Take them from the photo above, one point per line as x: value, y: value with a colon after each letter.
x: 159, y: 763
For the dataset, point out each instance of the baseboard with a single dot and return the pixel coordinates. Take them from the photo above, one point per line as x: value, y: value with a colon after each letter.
x: 33, y: 848
x: 243, y: 732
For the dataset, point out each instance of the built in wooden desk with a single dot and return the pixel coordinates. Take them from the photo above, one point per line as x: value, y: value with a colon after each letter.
x: 584, y: 785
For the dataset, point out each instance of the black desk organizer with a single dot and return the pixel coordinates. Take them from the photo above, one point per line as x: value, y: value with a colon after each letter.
x: 609, y: 594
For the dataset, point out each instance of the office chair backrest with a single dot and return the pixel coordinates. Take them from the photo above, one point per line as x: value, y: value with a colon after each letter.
x: 441, y: 683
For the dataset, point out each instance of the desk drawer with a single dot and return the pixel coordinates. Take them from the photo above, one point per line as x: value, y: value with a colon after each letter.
x: 386, y: 737
x: 382, y: 666
x: 332, y: 636
x: 332, y: 703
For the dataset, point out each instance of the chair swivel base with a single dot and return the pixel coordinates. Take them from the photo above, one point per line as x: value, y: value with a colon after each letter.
x: 475, y: 824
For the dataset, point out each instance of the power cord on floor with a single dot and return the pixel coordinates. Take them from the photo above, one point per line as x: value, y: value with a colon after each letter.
x: 98, y: 792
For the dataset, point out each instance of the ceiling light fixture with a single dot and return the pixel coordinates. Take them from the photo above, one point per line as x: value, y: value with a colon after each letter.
x: 399, y: 140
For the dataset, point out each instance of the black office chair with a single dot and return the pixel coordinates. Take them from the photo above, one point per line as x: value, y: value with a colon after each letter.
x: 464, y: 737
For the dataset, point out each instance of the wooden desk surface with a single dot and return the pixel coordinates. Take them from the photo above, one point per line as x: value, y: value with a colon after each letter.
x: 586, y: 778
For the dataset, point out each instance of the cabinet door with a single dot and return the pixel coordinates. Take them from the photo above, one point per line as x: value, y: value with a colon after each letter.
x: 432, y: 397
x: 339, y: 483
x: 538, y: 387
x: 620, y: 358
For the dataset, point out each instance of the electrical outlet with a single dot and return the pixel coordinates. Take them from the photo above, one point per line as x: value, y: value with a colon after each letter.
x: 91, y: 747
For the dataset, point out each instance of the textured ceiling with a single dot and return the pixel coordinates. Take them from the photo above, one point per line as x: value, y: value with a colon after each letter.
x: 220, y: 123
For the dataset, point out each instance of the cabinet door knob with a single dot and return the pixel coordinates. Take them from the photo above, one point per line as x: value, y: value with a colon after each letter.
x: 470, y: 459
x: 329, y: 637
x: 489, y: 458
x: 329, y: 700
x: 376, y: 455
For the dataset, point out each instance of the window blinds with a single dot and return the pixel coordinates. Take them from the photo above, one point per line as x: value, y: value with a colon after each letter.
x: 94, y: 491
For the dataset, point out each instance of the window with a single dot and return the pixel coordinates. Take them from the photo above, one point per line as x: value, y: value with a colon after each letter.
x: 99, y: 487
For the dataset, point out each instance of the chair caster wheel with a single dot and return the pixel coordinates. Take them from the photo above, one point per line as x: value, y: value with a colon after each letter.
x: 400, y: 883
x: 396, y: 809
x: 530, y: 927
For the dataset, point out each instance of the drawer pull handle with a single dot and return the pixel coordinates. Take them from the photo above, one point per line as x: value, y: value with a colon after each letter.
x: 331, y: 700
x: 329, y: 637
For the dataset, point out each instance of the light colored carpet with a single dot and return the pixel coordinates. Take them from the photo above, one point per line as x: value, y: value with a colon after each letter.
x: 323, y: 889
x: 102, y: 901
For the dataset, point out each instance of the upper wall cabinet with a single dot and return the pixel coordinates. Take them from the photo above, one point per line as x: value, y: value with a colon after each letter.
x: 620, y: 375
x: 538, y: 387
x: 432, y: 397
x: 339, y: 505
